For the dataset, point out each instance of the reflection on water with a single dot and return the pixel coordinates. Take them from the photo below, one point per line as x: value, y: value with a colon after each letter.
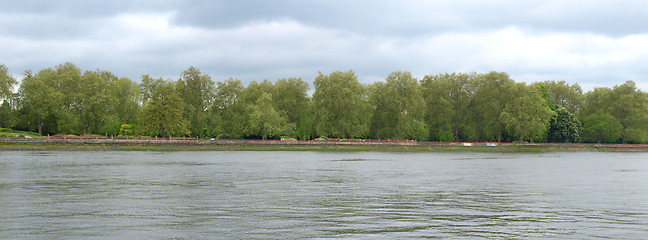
x: 281, y: 195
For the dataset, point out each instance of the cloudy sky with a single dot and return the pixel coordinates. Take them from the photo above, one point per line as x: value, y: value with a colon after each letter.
x: 592, y: 43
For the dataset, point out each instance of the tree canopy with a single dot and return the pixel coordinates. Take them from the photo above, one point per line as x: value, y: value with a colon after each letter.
x: 341, y: 108
x: 444, y: 107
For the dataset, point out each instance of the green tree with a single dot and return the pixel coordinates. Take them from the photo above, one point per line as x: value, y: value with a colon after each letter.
x: 564, y: 127
x: 128, y: 96
x: 264, y: 120
x: 383, y: 123
x: 306, y: 127
x: 95, y: 101
x: 7, y: 83
x: 227, y: 115
x: 447, y: 98
x: 67, y: 81
x: 198, y: 92
x: 599, y: 100
x: 630, y: 107
x: 560, y: 93
x: 162, y: 112
x: 527, y: 115
x: 492, y: 92
x: 341, y: 105
x: 601, y: 128
x: 401, y: 108
x: 38, y: 98
x: 290, y: 99
x: 7, y: 115
x: 625, y: 103
x: 248, y: 98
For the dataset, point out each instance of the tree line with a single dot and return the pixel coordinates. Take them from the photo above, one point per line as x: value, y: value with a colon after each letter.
x: 443, y: 107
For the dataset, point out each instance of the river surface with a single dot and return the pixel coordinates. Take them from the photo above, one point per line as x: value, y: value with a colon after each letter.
x: 297, y: 195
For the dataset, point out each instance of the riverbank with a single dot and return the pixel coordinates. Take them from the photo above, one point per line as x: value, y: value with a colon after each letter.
x: 180, y: 144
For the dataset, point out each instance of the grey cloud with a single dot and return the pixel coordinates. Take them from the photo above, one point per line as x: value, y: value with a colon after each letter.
x: 613, y: 18
x: 313, y: 36
x: 386, y: 18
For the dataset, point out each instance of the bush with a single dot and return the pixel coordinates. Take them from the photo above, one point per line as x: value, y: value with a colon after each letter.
x: 446, y: 136
x: 126, y: 130
x: 223, y: 136
x: 602, y: 128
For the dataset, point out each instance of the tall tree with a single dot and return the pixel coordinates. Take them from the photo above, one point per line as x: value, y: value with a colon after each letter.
x: 7, y: 115
x: 38, y: 97
x: 400, y: 100
x: 630, y: 107
x: 95, y: 100
x: 198, y: 92
x: 341, y: 105
x: 306, y: 127
x: 68, y: 83
x: 249, y: 97
x: 596, y: 101
x: 229, y: 109
x: 128, y: 97
x: 447, y: 98
x: 625, y: 103
x: 162, y: 113
x: 7, y: 83
x: 383, y: 122
x: 493, y: 91
x: 527, y: 116
x: 264, y: 120
x: 290, y: 99
x: 560, y: 93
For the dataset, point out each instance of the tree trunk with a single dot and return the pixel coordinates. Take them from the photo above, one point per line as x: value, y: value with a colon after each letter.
x: 162, y: 129
x: 40, y: 125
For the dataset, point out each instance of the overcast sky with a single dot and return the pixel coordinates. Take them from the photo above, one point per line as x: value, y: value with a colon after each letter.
x: 592, y: 43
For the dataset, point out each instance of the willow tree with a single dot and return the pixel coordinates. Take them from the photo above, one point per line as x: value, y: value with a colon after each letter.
x: 128, y: 96
x: 526, y: 116
x: 625, y: 103
x: 400, y: 107
x: 95, y: 100
x: 447, y: 98
x: 162, y: 111
x: 341, y: 108
x: 290, y: 99
x: 630, y: 107
x: 263, y: 120
x: 493, y: 91
x: 198, y: 92
x: 563, y: 94
x: 227, y: 116
x: 68, y: 82
x: 38, y: 98
x: 7, y: 83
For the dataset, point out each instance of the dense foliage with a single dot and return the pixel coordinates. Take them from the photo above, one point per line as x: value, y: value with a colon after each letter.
x: 444, y: 107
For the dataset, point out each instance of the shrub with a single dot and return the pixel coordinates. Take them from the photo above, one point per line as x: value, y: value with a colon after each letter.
x: 126, y: 130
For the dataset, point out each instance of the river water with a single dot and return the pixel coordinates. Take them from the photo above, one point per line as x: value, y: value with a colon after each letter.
x: 296, y: 195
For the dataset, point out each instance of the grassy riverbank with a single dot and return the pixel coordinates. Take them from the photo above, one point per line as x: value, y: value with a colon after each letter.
x: 298, y: 147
